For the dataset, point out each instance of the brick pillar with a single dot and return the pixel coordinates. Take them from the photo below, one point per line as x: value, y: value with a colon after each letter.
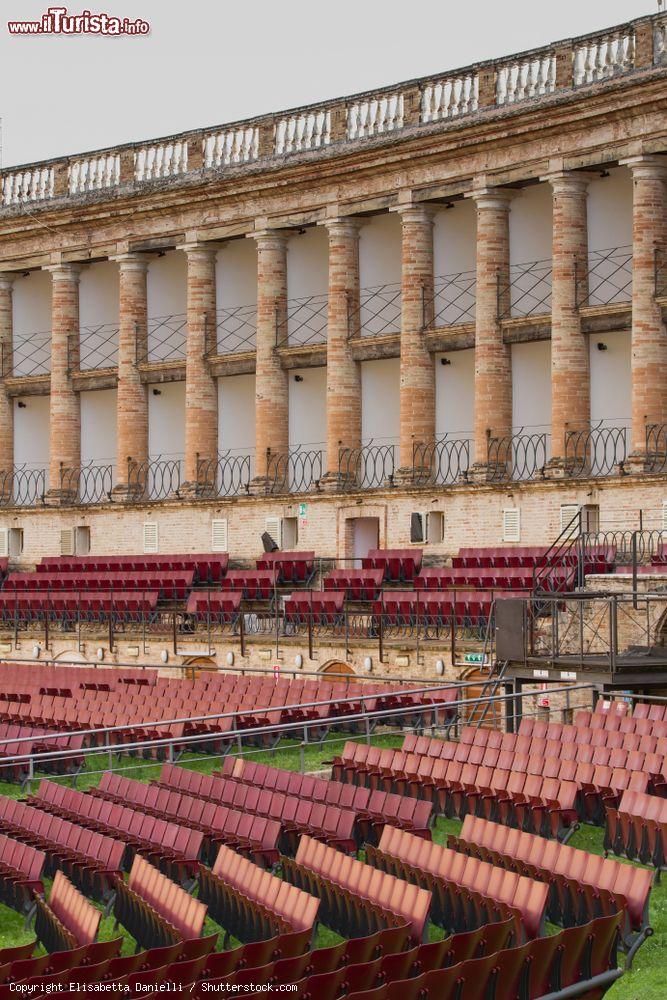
x: 493, y: 371
x: 649, y: 336
x: 201, y: 390
x: 271, y: 386
x: 64, y: 410
x: 132, y: 406
x: 417, y: 385
x: 570, y: 368
x: 6, y: 402
x: 343, y: 372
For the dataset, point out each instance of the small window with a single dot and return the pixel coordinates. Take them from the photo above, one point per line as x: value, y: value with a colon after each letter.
x: 82, y: 540
x: 273, y: 527
x: 664, y: 517
x: 290, y: 532
x: 568, y: 513
x: 590, y: 518
x: 67, y: 542
x: 512, y: 525
x: 435, y: 527
x: 15, y: 542
x: 219, y: 535
x: 150, y: 537
x: 4, y: 542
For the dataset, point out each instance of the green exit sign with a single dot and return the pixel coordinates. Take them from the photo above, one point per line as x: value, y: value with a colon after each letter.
x: 474, y: 658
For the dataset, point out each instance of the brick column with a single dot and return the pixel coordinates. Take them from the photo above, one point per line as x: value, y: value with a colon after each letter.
x: 417, y: 383
x: 493, y: 372
x: 570, y: 368
x: 201, y: 390
x: 64, y: 410
x: 132, y: 406
x: 6, y: 402
x: 343, y: 372
x: 271, y: 385
x: 649, y: 336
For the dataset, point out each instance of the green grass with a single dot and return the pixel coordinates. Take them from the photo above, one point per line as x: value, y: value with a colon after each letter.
x: 646, y: 981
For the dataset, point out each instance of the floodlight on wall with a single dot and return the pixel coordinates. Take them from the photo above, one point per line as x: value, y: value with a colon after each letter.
x: 36, y: 651
x: 99, y: 653
x: 22, y: 405
x: 157, y: 392
x: 602, y: 346
x: 445, y: 361
x: 439, y: 667
x: 298, y: 661
x: 368, y: 664
x: 164, y: 656
x: 229, y: 659
x: 298, y: 378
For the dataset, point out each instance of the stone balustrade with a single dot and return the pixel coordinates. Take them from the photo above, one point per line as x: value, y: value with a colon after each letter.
x: 573, y: 64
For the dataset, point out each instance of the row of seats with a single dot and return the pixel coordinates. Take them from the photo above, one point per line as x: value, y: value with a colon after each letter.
x: 462, y: 886
x: 175, y: 848
x: 372, y: 809
x: 638, y: 828
x: 171, y: 585
x: 68, y: 920
x: 91, y: 859
x: 161, y: 908
x: 21, y: 868
x: 653, y: 723
x: 252, y: 585
x: 581, y: 884
x: 430, y: 609
x: 70, y: 606
x: 290, y: 567
x: 207, y: 567
x: 253, y: 905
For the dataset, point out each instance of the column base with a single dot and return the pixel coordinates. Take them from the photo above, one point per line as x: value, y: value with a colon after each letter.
x: 336, y: 482
x: 60, y: 498
x: 483, y: 473
x: 125, y: 493
x: 639, y: 463
x: 194, y: 490
x: 555, y: 469
x: 259, y: 486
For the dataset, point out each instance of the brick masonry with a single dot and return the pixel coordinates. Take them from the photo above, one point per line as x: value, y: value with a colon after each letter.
x: 6, y: 403
x: 132, y: 413
x: 271, y: 385
x: 64, y: 412
x: 201, y: 390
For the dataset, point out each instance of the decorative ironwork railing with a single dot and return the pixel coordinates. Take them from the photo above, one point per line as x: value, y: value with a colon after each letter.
x: 31, y: 354
x: 22, y: 487
x: 89, y: 484
x: 167, y: 338
x: 517, y: 457
x: 628, y: 546
x: 306, y: 322
x: 660, y: 273
x: 595, y: 451
x: 155, y: 479
x: 367, y: 468
x: 98, y: 347
x: 379, y: 310
x: 527, y: 292
x: 441, y: 462
x: 236, y: 329
x: 295, y: 472
x: 656, y: 447
x: 228, y: 475
x: 443, y: 98
x: 454, y: 299
x: 607, y: 278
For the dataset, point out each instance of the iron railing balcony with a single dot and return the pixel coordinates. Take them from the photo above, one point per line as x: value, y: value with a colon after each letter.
x: 305, y: 323
x: 98, y: 347
x: 31, y: 355
x: 236, y: 330
x: 660, y: 257
x: 656, y: 447
x: 369, y: 467
x: 297, y: 471
x: 21, y: 486
x: 441, y: 462
x: 153, y: 480
x: 228, y: 475
x: 88, y: 484
x: 596, y: 451
x: 606, y: 279
x: 517, y: 457
x: 379, y: 313
x: 454, y: 299
x: 527, y: 290
x: 167, y: 338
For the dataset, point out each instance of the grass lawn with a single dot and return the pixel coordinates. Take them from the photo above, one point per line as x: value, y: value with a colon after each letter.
x: 646, y: 981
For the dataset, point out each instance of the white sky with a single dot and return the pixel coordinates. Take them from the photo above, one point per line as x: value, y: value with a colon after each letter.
x: 207, y: 62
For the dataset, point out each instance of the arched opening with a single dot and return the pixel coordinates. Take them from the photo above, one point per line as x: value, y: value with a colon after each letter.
x: 70, y: 656
x: 338, y: 667
x: 477, y: 679
x: 196, y: 665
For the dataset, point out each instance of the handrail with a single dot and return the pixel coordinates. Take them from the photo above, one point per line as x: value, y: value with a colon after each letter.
x: 569, y: 535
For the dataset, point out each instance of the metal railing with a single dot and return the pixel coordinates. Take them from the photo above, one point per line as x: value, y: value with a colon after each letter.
x: 629, y: 547
x: 21, y: 486
x: 153, y: 480
x: 656, y: 447
x: 167, y: 338
x: 660, y: 269
x: 89, y: 484
x: 606, y: 279
x: 369, y: 467
x: 441, y: 462
x: 598, y: 451
x: 98, y: 347
x: 454, y: 299
x: 31, y: 354
x: 228, y: 475
x: 379, y: 311
x: 558, y: 553
x: 236, y: 330
x: 305, y: 322
x: 517, y: 457
x: 294, y: 472
x: 527, y: 291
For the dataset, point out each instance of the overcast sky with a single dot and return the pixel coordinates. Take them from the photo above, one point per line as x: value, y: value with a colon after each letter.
x: 207, y: 62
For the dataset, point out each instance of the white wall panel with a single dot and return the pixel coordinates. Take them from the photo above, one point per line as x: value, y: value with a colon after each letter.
x: 31, y: 432
x: 455, y: 394
x: 31, y: 299
x: 166, y: 420
x: 98, y: 426
x: 380, y: 265
x: 308, y: 409
x: 611, y: 378
x: 380, y: 403
x: 531, y: 386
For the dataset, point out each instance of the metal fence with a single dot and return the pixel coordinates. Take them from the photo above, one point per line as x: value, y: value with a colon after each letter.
x: 89, y: 484
x: 236, y: 330
x: 228, y: 475
x: 656, y: 447
x: 454, y: 299
x: 21, y: 486
x: 98, y: 347
x: 369, y: 467
x: 527, y: 290
x: 155, y: 479
x: 606, y: 279
x: 517, y: 457
x: 167, y: 338
x: 31, y: 354
x: 595, y: 451
x: 441, y: 462
x: 379, y: 310
x: 296, y: 471
x: 305, y: 323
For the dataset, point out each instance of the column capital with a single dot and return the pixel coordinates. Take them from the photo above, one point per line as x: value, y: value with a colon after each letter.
x: 7, y: 281
x: 568, y: 181
x: 64, y: 272
x: 343, y: 225
x: 416, y: 212
x: 203, y: 250
x: 647, y: 167
x: 268, y: 238
x: 131, y: 262
x: 492, y: 197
